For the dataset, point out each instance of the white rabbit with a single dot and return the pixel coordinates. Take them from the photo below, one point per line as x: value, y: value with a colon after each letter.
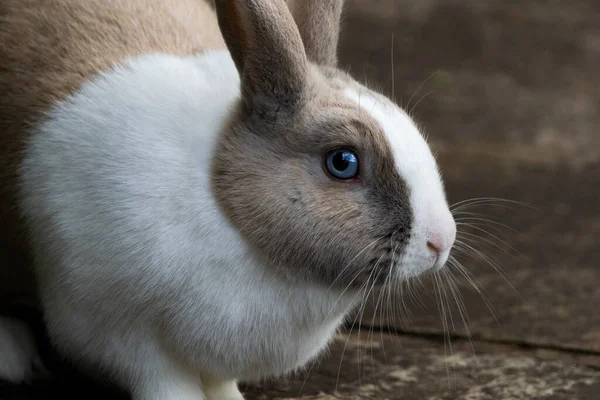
x: 197, y: 214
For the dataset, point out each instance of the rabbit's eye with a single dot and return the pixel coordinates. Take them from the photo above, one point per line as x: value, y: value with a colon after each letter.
x: 342, y: 163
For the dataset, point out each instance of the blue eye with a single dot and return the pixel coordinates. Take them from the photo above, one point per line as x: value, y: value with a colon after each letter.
x: 342, y: 163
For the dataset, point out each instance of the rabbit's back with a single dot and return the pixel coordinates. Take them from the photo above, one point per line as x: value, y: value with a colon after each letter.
x: 48, y: 49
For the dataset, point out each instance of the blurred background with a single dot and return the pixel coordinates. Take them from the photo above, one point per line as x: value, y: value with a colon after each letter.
x: 508, y: 93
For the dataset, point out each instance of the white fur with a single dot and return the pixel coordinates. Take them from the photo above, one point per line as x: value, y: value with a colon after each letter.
x: 432, y: 220
x: 18, y: 354
x: 138, y: 269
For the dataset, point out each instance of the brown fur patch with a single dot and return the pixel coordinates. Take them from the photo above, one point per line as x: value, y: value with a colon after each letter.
x: 270, y: 180
x: 319, y: 25
x: 48, y: 48
x: 268, y: 172
x: 267, y: 50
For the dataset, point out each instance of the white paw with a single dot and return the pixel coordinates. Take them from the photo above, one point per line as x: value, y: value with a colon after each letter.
x: 221, y: 390
x: 19, y: 358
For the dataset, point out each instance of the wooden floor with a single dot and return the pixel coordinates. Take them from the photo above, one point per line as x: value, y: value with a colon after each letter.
x: 509, y: 95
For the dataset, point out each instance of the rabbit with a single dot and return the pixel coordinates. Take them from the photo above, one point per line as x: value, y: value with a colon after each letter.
x: 201, y: 195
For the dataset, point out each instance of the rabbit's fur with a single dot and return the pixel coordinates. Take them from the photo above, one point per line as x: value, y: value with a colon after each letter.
x: 183, y: 230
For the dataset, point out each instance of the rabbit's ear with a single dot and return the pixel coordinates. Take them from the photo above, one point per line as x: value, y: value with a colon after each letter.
x: 267, y: 50
x: 319, y: 25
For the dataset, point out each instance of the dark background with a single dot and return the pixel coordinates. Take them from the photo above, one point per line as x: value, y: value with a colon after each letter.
x: 509, y: 95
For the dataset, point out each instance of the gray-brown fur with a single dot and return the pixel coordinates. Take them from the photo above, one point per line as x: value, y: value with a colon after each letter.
x: 267, y: 50
x: 269, y: 175
x: 319, y: 25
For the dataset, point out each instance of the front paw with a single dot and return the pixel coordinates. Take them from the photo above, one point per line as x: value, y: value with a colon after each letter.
x: 221, y: 390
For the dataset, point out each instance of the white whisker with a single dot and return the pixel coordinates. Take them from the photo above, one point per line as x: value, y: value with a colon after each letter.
x: 419, y: 88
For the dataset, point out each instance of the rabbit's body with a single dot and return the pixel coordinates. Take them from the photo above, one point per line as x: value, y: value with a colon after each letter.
x: 48, y: 49
x: 146, y: 254
x: 268, y: 335
x: 190, y: 228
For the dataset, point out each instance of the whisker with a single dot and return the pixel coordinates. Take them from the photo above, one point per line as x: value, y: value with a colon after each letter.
x: 413, y: 288
x: 471, y: 240
x: 370, y: 332
x: 385, y: 295
x: 442, y: 311
x: 421, y: 99
x: 364, y: 285
x: 473, y: 237
x: 483, y: 221
x: 362, y: 310
x: 459, y: 300
x: 353, y: 259
x: 404, y: 310
x: 474, y: 284
x: 487, y: 200
x: 347, y: 339
x: 420, y: 86
x: 492, y: 232
x: 493, y: 264
x: 393, y: 77
x: 359, y: 94
x: 358, y: 273
x: 377, y: 100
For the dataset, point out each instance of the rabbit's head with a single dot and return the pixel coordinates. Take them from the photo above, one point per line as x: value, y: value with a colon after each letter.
x: 329, y: 179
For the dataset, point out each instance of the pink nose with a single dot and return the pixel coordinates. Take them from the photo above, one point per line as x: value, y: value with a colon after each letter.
x: 435, y: 247
x: 442, y: 233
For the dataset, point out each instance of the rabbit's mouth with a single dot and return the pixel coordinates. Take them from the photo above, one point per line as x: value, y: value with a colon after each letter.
x: 398, y: 257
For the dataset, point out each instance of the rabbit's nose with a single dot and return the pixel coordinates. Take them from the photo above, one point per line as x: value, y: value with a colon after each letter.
x: 441, y: 233
x: 436, y: 247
